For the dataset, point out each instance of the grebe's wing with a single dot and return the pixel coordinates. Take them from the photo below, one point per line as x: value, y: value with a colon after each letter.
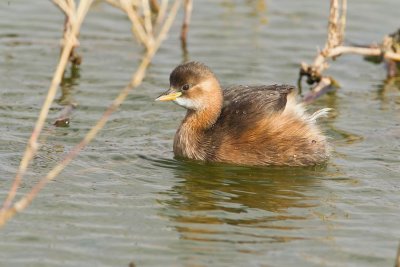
x: 259, y: 99
x: 245, y: 106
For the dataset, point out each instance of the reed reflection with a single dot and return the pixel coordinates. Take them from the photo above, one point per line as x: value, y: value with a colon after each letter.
x: 388, y: 92
x: 68, y: 84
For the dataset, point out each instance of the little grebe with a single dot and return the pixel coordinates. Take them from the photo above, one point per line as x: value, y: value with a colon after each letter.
x: 249, y: 125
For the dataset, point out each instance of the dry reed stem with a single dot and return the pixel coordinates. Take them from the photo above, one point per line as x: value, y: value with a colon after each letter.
x: 64, y: 6
x: 342, y: 24
x: 154, y: 6
x: 161, y: 13
x: 68, y: 7
x: 137, y: 26
x: 32, y: 146
x: 117, y: 3
x: 333, y: 38
x: 130, y: 4
x: 114, y: 3
x: 397, y: 260
x: 136, y: 79
x: 365, y: 51
x: 147, y: 20
x: 186, y: 21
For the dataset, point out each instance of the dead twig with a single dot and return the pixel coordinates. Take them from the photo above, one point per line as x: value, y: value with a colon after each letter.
x: 137, y: 26
x: 147, y: 21
x: 161, y: 13
x: 186, y: 21
x: 68, y: 7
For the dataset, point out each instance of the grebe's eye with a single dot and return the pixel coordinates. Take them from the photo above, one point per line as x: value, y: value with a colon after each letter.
x: 186, y: 87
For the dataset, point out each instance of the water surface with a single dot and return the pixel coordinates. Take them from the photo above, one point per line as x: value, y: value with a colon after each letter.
x: 126, y: 199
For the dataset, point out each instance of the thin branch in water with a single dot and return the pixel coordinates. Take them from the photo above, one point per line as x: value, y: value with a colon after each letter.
x: 7, y: 213
x: 63, y: 6
x: 186, y: 21
x: 342, y: 22
x: 147, y: 21
x: 137, y: 27
x: 114, y: 3
x: 32, y: 146
x: 154, y: 6
x: 161, y: 13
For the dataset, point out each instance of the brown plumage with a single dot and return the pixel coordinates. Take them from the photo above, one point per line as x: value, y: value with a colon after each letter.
x: 247, y: 125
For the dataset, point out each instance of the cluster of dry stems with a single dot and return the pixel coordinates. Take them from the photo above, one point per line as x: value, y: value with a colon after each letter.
x: 388, y: 50
x: 151, y: 22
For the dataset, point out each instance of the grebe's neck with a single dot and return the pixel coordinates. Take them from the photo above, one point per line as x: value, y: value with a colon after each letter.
x: 207, y: 113
x: 189, y: 138
x: 201, y: 120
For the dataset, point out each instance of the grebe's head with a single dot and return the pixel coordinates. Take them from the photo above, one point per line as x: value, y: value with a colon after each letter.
x: 193, y: 86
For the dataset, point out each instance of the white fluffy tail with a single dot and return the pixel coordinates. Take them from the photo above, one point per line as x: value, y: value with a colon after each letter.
x: 320, y: 113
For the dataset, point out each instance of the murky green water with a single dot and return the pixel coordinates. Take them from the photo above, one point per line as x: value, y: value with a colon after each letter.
x: 126, y: 199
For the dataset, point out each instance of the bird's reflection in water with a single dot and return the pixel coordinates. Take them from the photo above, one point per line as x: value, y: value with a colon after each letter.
x: 240, y: 204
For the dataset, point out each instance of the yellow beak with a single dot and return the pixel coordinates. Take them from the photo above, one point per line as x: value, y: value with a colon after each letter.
x: 170, y: 95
